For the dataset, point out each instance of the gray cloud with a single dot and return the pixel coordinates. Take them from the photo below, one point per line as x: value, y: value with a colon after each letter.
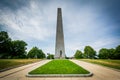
x: 13, y: 4
x: 85, y: 23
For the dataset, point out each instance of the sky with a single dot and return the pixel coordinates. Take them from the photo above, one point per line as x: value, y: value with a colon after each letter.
x: 85, y: 22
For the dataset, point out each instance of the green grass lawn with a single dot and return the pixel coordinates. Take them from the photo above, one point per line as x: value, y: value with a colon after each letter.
x: 7, y: 63
x: 104, y: 62
x: 59, y: 67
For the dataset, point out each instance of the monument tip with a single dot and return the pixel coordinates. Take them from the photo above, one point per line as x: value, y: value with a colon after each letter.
x: 59, y: 8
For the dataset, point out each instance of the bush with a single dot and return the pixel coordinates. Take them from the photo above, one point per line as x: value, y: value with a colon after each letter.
x: 78, y: 54
x: 89, y: 52
x: 36, y: 53
x: 50, y: 56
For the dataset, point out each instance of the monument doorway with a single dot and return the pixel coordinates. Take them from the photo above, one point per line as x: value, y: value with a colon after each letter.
x: 60, y: 53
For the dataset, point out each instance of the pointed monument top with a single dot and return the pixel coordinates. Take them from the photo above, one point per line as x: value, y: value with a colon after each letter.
x: 59, y: 8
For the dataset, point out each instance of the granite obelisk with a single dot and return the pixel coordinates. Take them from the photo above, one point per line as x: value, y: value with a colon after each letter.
x: 59, y: 46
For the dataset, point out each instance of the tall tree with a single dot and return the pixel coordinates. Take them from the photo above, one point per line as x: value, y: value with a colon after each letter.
x: 5, y: 43
x: 18, y: 49
x: 89, y: 52
x: 117, y: 52
x: 78, y: 54
x: 111, y: 54
x: 36, y: 53
x: 103, y: 53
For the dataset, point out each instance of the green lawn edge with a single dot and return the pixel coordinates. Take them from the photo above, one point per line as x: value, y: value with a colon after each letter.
x: 6, y: 64
x: 115, y: 64
x: 59, y: 67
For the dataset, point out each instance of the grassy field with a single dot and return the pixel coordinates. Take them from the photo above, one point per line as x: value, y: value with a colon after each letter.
x: 59, y: 67
x: 109, y: 63
x: 7, y: 63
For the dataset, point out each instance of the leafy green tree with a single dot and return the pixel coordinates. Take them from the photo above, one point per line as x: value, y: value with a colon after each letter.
x: 5, y: 42
x: 78, y: 54
x: 111, y: 54
x: 103, y: 53
x: 89, y: 52
x: 117, y: 52
x: 11, y: 49
x: 36, y: 53
x: 50, y: 56
x: 18, y: 48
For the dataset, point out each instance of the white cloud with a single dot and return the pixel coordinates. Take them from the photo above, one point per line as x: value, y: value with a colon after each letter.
x: 83, y: 25
x: 29, y: 22
x: 72, y: 46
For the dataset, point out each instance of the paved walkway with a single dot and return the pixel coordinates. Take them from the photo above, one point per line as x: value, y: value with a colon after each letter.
x: 20, y: 72
x: 100, y: 73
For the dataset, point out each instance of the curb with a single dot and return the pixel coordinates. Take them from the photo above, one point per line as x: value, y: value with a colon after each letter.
x: 59, y: 75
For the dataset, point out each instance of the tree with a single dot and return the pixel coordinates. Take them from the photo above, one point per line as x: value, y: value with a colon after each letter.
x: 11, y: 49
x: 89, y: 52
x: 18, y: 48
x: 103, y: 53
x: 50, y: 56
x: 78, y: 54
x: 36, y: 53
x: 117, y: 52
x: 111, y: 54
x: 5, y: 43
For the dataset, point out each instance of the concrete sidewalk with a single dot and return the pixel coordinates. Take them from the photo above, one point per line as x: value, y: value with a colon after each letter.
x: 100, y: 72
x: 22, y: 69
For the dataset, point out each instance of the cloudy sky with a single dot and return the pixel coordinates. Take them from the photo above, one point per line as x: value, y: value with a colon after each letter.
x: 85, y: 22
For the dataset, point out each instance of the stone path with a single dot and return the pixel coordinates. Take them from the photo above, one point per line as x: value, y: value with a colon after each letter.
x: 100, y: 73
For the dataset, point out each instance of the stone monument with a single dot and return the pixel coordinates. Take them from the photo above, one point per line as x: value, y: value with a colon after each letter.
x: 59, y: 46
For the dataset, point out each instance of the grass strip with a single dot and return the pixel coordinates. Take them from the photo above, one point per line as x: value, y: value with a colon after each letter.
x: 104, y: 62
x: 8, y: 63
x: 60, y: 67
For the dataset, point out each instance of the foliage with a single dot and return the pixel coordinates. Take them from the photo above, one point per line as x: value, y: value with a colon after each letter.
x: 109, y: 53
x: 11, y: 49
x: 59, y: 67
x: 103, y: 53
x: 18, y: 49
x: 67, y: 57
x: 89, y: 52
x: 117, y: 52
x: 5, y: 43
x: 78, y: 54
x: 36, y: 53
x: 50, y: 56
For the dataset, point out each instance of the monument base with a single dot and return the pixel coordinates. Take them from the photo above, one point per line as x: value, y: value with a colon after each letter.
x: 59, y: 57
